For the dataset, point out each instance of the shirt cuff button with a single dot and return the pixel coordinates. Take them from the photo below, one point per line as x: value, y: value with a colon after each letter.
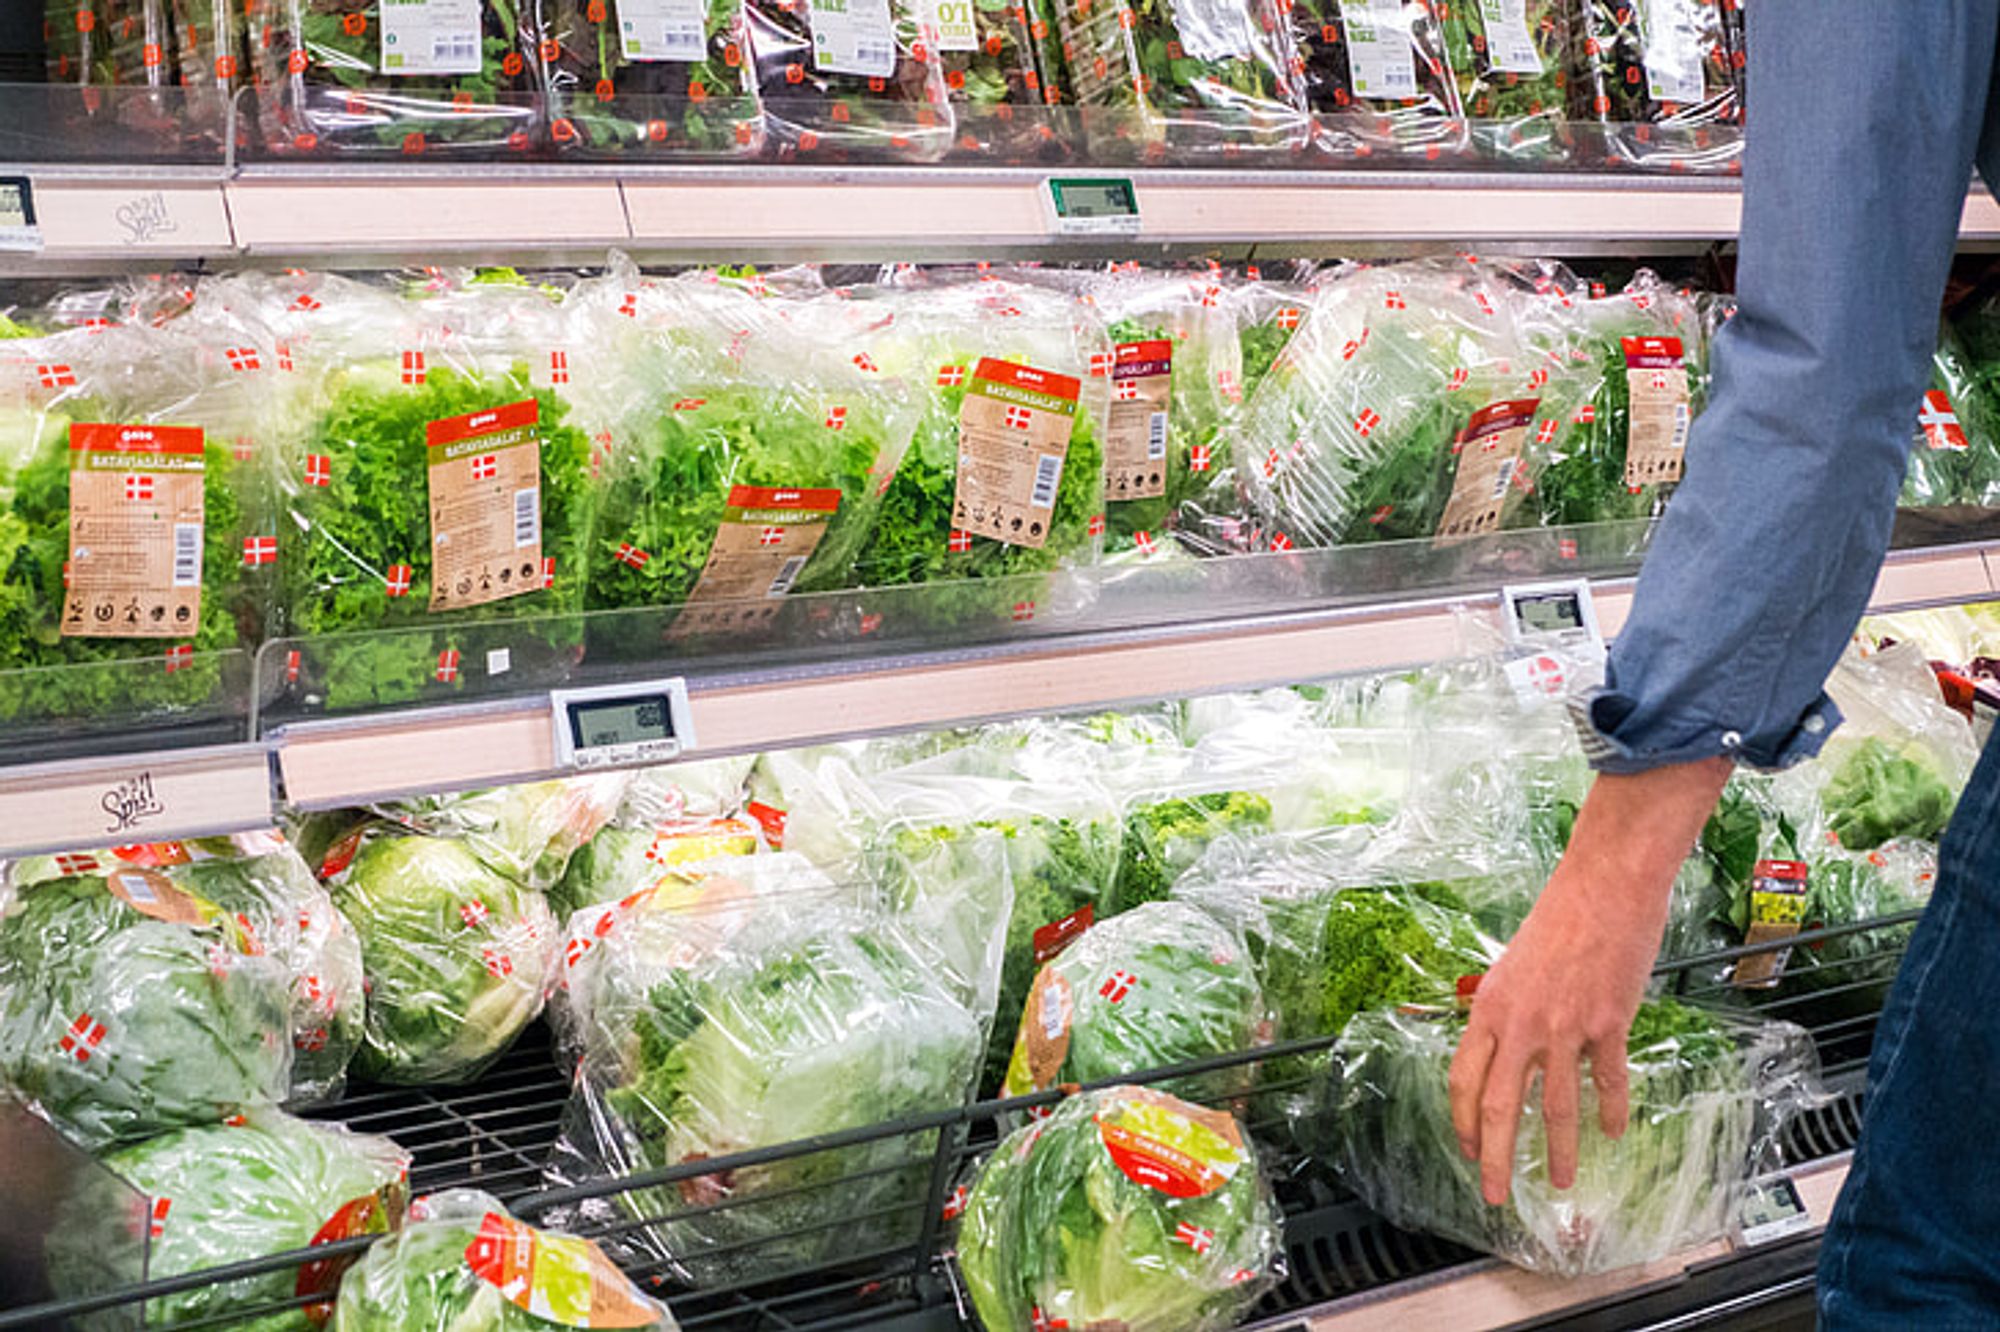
x: 1815, y: 724
x: 1731, y: 739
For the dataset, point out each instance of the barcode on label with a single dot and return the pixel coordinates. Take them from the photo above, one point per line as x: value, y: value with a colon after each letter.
x: 875, y: 54
x: 454, y: 48
x: 1681, y: 420
x: 137, y: 890
x: 683, y: 43
x: 527, y: 517
x: 788, y: 575
x: 1048, y: 474
x: 1504, y: 476
x: 1156, y: 437
x: 187, y: 554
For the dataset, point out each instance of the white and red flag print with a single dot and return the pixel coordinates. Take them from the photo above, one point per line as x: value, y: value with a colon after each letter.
x: 1199, y: 1238
x: 447, y: 667
x: 771, y: 536
x: 951, y: 376
x: 960, y: 542
x: 1364, y: 424
x: 629, y: 554
x: 397, y: 582
x: 242, y: 358
x: 485, y: 467
x: 836, y: 418
x: 55, y: 376
x: 1019, y: 417
x: 413, y: 367
x: 1394, y: 301
x: 84, y: 1035
x: 1288, y: 318
x: 558, y: 367
x: 156, y: 1218
x: 473, y: 913
x: 83, y: 864
x: 1940, y: 423
x: 1125, y: 390
x: 1199, y: 458
x: 138, y: 487
x: 1545, y: 433
x: 319, y: 469
x: 1117, y: 985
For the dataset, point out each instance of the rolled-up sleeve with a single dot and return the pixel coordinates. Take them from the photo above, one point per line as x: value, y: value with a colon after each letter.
x: 1766, y: 557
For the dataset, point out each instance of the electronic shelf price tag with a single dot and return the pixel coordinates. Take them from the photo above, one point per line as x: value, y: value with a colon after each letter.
x: 1093, y: 207
x: 614, y: 726
x: 1555, y: 646
x: 1772, y: 1210
x: 18, y: 228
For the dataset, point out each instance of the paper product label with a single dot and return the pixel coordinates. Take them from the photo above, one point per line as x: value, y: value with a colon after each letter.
x: 486, y: 505
x: 1656, y: 432
x: 1135, y: 446
x: 560, y: 1278
x: 770, y: 820
x: 1489, y: 456
x: 151, y: 893
x: 1044, y: 1037
x: 1380, y: 62
x: 370, y: 1214
x: 692, y: 840
x: 1938, y: 419
x: 1214, y: 30
x: 663, y: 30
x: 430, y: 37
x: 1510, y: 47
x: 1673, y: 51
x: 957, y: 29
x: 1052, y: 938
x: 1170, y: 1146
x: 766, y: 538
x: 1777, y: 911
x: 1013, y: 435
x: 853, y: 37
x: 135, y: 528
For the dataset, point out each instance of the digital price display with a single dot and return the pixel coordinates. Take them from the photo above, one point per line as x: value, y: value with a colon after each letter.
x: 18, y: 228
x: 616, y: 725
x: 1094, y: 207
x: 1771, y: 1210
x: 1545, y: 615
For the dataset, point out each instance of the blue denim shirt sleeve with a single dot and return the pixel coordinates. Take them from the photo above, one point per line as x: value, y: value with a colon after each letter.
x: 1765, y: 559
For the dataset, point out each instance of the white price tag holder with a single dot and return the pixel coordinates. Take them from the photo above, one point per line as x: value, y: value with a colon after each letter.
x: 1772, y: 1210
x: 19, y: 230
x: 1106, y: 206
x: 1555, y: 645
x: 614, y: 726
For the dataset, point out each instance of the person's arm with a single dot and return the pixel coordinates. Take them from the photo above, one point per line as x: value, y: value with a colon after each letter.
x: 1766, y: 557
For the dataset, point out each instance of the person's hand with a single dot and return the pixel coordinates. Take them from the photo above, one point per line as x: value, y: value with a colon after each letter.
x: 1568, y: 985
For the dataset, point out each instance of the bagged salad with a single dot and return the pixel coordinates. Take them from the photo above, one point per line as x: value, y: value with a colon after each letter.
x: 1709, y: 1094
x: 718, y: 1020
x: 1170, y: 80
x: 651, y: 79
x: 130, y: 512
x: 462, y: 1263
x: 1378, y: 78
x: 1955, y: 458
x: 366, y: 78
x: 1125, y: 1208
x: 1015, y: 378
x: 455, y: 954
x: 864, y: 82
x: 438, y: 483
x: 1658, y: 83
x: 211, y: 60
x: 1512, y: 61
x: 753, y: 445
x: 261, y: 1184
x: 994, y: 82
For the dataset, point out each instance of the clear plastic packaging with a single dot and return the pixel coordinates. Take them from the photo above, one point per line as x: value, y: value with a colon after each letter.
x: 111, y: 428
x: 129, y: 1007
x: 996, y: 88
x: 456, y: 955
x: 971, y: 350
x: 706, y: 1034
x: 1357, y: 432
x: 650, y: 80
x: 1709, y: 1094
x: 866, y: 82
x: 621, y: 860
x: 464, y: 1264
x: 527, y: 831
x: 1955, y: 458
x: 1177, y: 79
x: 211, y: 59
x: 1161, y: 984
x: 1176, y: 383
x: 1167, y: 831
x: 1378, y: 78
x: 755, y: 441
x: 460, y: 405
x: 459, y: 79
x: 262, y: 883
x: 1512, y: 60
x: 1125, y: 1208
x: 1658, y: 83
x: 262, y: 1184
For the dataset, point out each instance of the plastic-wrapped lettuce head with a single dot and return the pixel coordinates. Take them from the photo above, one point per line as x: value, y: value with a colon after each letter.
x: 1708, y: 1094
x: 228, y: 1193
x: 462, y: 1264
x: 455, y: 953
x: 262, y: 884
x: 703, y: 1039
x: 1125, y: 1208
x: 528, y: 831
x: 1161, y: 984
x: 1166, y: 835
x: 129, y: 1007
x: 620, y: 861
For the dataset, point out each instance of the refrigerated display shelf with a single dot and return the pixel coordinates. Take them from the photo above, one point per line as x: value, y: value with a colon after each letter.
x: 1346, y: 1269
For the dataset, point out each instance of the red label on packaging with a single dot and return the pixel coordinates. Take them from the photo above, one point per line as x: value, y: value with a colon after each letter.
x: 341, y: 854
x: 788, y: 500
x: 180, y: 441
x: 1028, y: 379
x: 1652, y: 353
x: 771, y: 820
x: 1140, y: 360
x: 1057, y: 935
x: 514, y: 416
x: 366, y: 1215
x: 1940, y: 423
x: 1495, y: 417
x: 152, y: 855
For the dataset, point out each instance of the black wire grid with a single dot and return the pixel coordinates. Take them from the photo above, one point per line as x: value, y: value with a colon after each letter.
x: 497, y: 1136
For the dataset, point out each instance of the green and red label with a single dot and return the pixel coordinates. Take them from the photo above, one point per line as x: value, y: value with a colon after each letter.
x: 765, y: 540
x: 1166, y: 1144
x: 1135, y: 444
x: 136, y: 509
x: 560, y: 1278
x: 486, y: 505
x: 1489, y: 459
x: 1656, y: 432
